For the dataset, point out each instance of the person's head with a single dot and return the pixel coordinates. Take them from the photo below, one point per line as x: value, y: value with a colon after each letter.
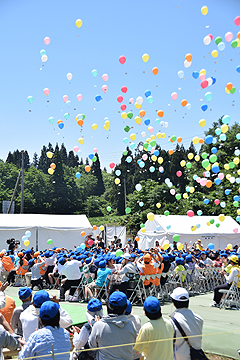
x: 117, y: 303
x: 180, y: 298
x: 126, y: 257
x: 146, y: 258
x: 234, y: 260
x: 94, y: 307
x: 179, y: 261
x: 40, y: 297
x: 62, y: 260
x: 102, y: 264
x: 49, y: 314
x: 110, y: 262
x: 129, y: 308
x: 152, y: 308
x: 203, y: 255
x: 25, y: 294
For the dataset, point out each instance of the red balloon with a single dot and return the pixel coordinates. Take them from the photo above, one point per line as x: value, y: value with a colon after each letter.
x: 119, y: 98
x: 122, y: 59
x: 124, y: 89
x: 216, y: 201
x: 112, y: 165
x: 179, y: 173
x: 211, y: 37
x: 237, y: 20
x: 123, y: 107
x: 190, y: 213
x: 90, y: 242
x: 204, y: 84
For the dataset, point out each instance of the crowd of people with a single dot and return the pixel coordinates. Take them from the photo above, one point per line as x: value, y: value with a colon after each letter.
x: 94, y: 273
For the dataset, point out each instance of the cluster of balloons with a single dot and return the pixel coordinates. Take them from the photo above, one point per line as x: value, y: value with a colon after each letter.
x: 25, y: 238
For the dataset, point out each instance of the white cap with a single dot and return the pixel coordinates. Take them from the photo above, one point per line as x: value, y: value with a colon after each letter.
x: 126, y: 256
x: 180, y: 294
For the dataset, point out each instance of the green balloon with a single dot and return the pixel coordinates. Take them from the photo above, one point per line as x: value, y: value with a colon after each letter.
x: 83, y: 116
x: 166, y: 213
x: 235, y: 203
x: 234, y: 43
x: 205, y: 163
x: 189, y: 165
x: 178, y: 196
x: 50, y: 241
x: 176, y: 237
x: 145, y: 145
x: 213, y: 158
x: 174, y: 138
x: 217, y: 225
x: 125, y: 152
x: 94, y: 159
x: 109, y: 208
x: 212, y: 221
x: 218, y: 40
x: 119, y: 252
x: 142, y: 226
x: 231, y: 165
x: 233, y: 89
x: 127, y: 128
x: 153, y: 143
x: 204, y: 155
x: 130, y: 115
x: 128, y: 210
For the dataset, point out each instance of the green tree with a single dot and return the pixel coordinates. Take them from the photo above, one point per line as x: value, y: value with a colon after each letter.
x: 96, y: 171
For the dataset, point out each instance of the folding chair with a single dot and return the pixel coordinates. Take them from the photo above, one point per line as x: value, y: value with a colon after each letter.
x: 232, y: 297
x: 20, y: 279
x: 136, y: 289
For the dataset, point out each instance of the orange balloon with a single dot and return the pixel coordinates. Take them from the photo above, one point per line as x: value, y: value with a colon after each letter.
x: 142, y: 113
x: 160, y: 113
x: 188, y: 57
x: 238, y: 35
x: 239, y: 190
x: 170, y: 152
x: 83, y: 233
x: 59, y: 121
x: 53, y: 166
x: 171, y: 140
x: 80, y: 122
x: 155, y: 72
x: 200, y: 141
x: 184, y: 102
x: 208, y: 183
x: 94, y: 227
x: 229, y: 86
x: 87, y: 168
x: 179, y: 139
x: 137, y: 238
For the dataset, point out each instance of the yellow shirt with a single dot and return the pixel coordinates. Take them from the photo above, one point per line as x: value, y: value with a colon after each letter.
x: 156, y: 330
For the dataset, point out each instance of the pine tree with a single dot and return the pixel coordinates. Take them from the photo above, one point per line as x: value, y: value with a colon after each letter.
x: 26, y: 160
x: 72, y: 160
x: 17, y: 158
x: 64, y: 154
x: 43, y: 160
x: 9, y: 158
x: 96, y: 171
x: 35, y: 160
x: 81, y: 161
x: 86, y: 161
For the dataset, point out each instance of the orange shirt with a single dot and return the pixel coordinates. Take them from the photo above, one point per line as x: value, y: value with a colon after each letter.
x: 7, y: 263
x: 7, y: 311
x: 21, y: 270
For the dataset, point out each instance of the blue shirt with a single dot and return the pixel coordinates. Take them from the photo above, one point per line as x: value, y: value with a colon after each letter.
x: 102, y: 274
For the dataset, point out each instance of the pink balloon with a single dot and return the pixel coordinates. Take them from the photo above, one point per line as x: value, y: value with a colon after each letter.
x: 90, y: 242
x: 235, y: 230
x: 150, y: 129
x: 202, y: 77
x: 95, y: 150
x: 112, y: 165
x: 105, y: 77
x: 237, y: 20
x: 47, y: 40
x: 179, y: 173
x: 172, y: 192
x: 65, y: 98
x: 120, y: 98
x: 104, y: 88
x: 198, y: 179
x: 228, y: 36
x: 76, y: 148
x: 79, y: 97
x: 174, y: 96
x: 124, y: 89
x: 204, y: 174
x: 203, y: 182
x: 152, y: 151
x: 131, y: 101
x: 204, y: 84
x: 221, y: 176
x: 123, y: 107
x: 216, y: 201
x: 46, y: 91
x: 144, y: 157
x: 122, y: 59
x: 161, y: 168
x: 190, y: 213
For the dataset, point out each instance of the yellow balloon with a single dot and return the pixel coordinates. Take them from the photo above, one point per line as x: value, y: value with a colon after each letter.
x: 182, y: 163
x: 208, y: 223
x: 158, y: 205
x: 194, y: 227
x: 204, y: 10
x: 152, y: 137
x: 224, y: 128
x: 26, y: 242
x: 138, y: 120
x: 203, y: 71
x: 185, y: 195
x: 159, y: 135
x: 154, y: 158
x: 221, y: 217
x: 133, y: 137
x: 238, y: 172
x: 145, y: 57
x: 202, y: 122
x: 160, y: 160
x: 94, y: 126
x: 81, y: 141
x: 227, y: 91
x: 165, y: 246
x: 50, y: 171
x: 124, y: 115
x: 107, y: 123
x: 78, y: 23
x: 197, y: 158
x: 195, y: 140
x: 214, y: 53
x: 106, y: 127
x: 238, y: 211
x: 236, y: 160
x: 226, y: 166
x: 117, y: 181
x: 179, y: 246
x: 238, y: 42
x: 150, y: 216
x: 208, y: 168
x: 190, y: 156
x: 163, y: 135
x: 228, y: 176
x: 101, y: 228
x: 49, y: 154
x: 137, y: 106
x: 143, y: 230
x: 148, y: 140
x: 191, y: 189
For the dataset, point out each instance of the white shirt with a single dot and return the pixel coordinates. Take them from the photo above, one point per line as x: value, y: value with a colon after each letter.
x: 29, y: 320
x: 230, y: 278
x: 128, y: 268
x: 71, y: 270
x: 51, y: 260
x: 79, y: 340
x: 192, y: 325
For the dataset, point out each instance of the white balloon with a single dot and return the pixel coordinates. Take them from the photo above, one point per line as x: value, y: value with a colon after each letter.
x: 180, y: 74
x: 166, y: 124
x: 140, y: 148
x: 69, y: 76
x: 209, y: 80
x: 187, y: 63
x: 139, y: 100
x: 207, y: 40
x: 44, y: 58
x: 162, y: 123
x: 143, y: 134
x: 188, y: 106
x: 232, y: 179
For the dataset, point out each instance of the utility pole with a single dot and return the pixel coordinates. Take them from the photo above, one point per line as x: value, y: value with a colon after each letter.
x: 22, y: 187
x: 125, y: 198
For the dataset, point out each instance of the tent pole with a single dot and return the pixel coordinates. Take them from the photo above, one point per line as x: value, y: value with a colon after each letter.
x: 36, y: 239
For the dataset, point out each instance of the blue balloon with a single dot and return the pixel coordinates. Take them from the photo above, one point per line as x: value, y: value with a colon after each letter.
x: 146, y: 122
x: 156, y: 153
x: 142, y: 164
x: 139, y: 160
x: 238, y: 136
x: 147, y: 93
x: 238, y: 218
x: 223, y: 204
x: 199, y: 212
x: 218, y: 131
x: 204, y: 107
x: 168, y: 227
x: 158, y: 227
x: 90, y: 156
x: 133, y: 145
x: 141, y: 204
x: 118, y: 172
x: 236, y: 198
x: 217, y: 181
x: 213, y: 80
x: 198, y: 226
x: 187, y: 189
x: 149, y: 148
x: 61, y: 125
x: 152, y: 169
x: 227, y: 191
x: 129, y: 159
x: 98, y: 98
x: 195, y: 177
x: 226, y: 119
x: 78, y: 175
x: 208, y: 139
x: 206, y: 201
x: 213, y: 150
x: 215, y: 169
x: 238, y: 180
x: 211, y: 246
x: 150, y: 99
x: 195, y: 74
x: 157, y: 121
x: 223, y: 137
x: 238, y: 68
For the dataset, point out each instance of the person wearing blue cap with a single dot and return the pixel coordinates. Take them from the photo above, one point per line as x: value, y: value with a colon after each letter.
x: 114, y: 329
x: 51, y: 334
x: 103, y: 275
x: 73, y: 276
x: 25, y: 295
x: 136, y: 320
x: 157, y: 328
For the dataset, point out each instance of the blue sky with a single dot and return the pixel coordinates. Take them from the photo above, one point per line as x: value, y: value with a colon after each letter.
x: 166, y: 30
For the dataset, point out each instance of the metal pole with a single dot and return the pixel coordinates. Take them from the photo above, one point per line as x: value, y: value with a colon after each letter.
x: 125, y: 197
x: 14, y: 192
x: 53, y: 357
x: 36, y: 239
x: 22, y: 189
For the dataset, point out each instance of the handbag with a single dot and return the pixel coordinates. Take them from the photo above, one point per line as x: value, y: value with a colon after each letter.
x: 194, y: 353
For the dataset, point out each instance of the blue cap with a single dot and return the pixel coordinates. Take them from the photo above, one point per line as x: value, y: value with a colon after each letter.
x: 165, y: 257
x: 61, y: 261
x: 28, y: 251
x: 94, y: 305
x: 88, y: 260
x: 189, y: 258
x: 30, y: 262
x: 49, y: 310
x: 129, y: 308
x: 179, y: 261
x: 152, y: 305
x: 102, y: 264
x: 24, y: 293
x: 117, y: 298
x: 40, y: 297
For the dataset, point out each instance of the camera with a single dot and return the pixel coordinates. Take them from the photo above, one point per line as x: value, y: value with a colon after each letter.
x: 12, y: 243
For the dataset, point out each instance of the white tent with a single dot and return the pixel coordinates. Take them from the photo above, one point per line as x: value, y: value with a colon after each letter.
x: 164, y: 227
x: 64, y: 230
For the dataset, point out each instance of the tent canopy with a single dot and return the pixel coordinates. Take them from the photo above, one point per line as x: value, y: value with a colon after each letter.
x: 64, y: 230
x: 164, y: 227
